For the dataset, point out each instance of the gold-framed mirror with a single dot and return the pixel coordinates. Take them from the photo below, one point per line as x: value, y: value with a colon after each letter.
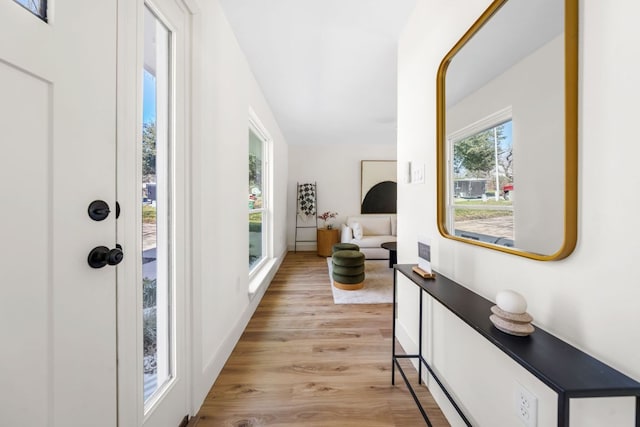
x: 507, y: 130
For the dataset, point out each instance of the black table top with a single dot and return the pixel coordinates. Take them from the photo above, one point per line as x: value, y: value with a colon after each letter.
x: 556, y: 363
x: 391, y: 246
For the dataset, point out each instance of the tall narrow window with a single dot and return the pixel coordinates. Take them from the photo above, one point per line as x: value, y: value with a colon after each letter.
x: 156, y: 143
x: 481, y: 200
x: 257, y: 197
x: 37, y: 7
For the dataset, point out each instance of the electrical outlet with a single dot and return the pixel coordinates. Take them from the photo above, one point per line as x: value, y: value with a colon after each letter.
x: 526, y: 406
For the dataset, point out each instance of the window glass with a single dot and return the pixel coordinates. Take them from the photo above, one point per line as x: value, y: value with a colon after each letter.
x: 37, y: 7
x: 255, y: 239
x: 156, y: 207
x: 257, y: 200
x: 482, y: 193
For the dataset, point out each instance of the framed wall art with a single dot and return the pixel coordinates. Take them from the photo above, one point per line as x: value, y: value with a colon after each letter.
x: 378, y: 190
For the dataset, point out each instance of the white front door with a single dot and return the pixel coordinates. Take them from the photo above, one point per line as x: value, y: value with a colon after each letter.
x: 58, y: 148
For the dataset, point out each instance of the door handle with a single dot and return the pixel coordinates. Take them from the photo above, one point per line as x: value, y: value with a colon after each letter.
x: 101, y: 256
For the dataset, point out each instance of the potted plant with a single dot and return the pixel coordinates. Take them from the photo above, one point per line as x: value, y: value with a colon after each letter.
x: 326, y: 216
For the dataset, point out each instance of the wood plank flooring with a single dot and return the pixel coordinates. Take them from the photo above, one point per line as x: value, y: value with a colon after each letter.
x: 304, y: 361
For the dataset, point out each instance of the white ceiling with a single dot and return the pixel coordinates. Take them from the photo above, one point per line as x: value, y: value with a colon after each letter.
x: 326, y: 67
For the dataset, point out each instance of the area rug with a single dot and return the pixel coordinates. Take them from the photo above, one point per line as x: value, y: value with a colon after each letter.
x: 378, y: 285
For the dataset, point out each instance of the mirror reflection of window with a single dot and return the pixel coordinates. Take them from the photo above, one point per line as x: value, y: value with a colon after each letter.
x: 481, y: 202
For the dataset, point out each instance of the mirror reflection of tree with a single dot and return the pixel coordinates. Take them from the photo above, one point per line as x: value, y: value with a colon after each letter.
x: 475, y: 156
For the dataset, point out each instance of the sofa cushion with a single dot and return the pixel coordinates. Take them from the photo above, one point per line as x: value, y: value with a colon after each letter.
x: 372, y: 224
x: 376, y: 226
x: 373, y: 241
x: 394, y: 225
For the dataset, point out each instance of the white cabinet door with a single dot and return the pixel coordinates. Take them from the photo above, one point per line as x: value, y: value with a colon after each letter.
x: 57, y: 142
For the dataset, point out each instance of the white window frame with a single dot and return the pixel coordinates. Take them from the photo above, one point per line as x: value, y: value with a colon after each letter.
x: 256, y: 126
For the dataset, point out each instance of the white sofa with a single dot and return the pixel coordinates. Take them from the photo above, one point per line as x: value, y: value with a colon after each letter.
x: 376, y: 230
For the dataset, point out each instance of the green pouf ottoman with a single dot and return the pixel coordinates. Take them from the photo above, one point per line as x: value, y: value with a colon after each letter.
x: 344, y: 247
x: 348, y: 269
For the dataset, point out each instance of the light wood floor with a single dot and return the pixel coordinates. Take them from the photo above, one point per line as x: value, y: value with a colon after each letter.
x: 304, y: 361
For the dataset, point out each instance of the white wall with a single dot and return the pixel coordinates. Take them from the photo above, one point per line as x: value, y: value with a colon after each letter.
x: 336, y: 170
x: 590, y: 299
x: 226, y: 89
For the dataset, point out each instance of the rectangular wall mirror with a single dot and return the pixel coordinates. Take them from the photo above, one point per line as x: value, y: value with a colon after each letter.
x: 507, y: 130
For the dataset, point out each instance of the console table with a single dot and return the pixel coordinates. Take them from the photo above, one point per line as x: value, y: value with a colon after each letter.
x: 568, y: 371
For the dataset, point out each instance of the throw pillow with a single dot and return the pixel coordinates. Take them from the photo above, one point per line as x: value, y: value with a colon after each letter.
x: 346, y: 234
x: 357, y: 230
